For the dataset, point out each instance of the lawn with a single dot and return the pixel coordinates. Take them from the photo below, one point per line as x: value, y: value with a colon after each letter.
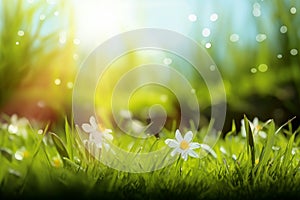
x: 40, y: 163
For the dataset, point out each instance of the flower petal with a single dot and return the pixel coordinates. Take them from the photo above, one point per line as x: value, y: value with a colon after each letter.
x: 174, y: 152
x: 209, y: 149
x: 255, y: 122
x: 108, y: 136
x: 178, y: 136
x: 188, y: 136
x: 252, y: 127
x: 91, y: 137
x: 87, y: 128
x: 262, y: 134
x: 99, y: 145
x: 14, y: 119
x: 184, y: 155
x: 171, y: 143
x: 23, y: 121
x: 243, y: 131
x: 93, y: 122
x: 108, y: 131
x: 194, y: 145
x: 97, y: 137
x: 242, y: 122
x: 193, y: 154
x: 106, y: 146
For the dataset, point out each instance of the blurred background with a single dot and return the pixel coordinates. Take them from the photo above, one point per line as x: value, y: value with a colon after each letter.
x: 255, y: 45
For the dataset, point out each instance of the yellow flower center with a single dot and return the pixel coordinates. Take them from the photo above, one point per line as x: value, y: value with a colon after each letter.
x: 25, y: 154
x: 258, y: 127
x: 184, y: 145
x: 56, y: 162
x: 100, y: 127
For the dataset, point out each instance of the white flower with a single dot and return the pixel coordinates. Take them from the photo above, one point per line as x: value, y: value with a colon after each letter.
x: 21, y: 154
x: 256, y: 128
x: 96, y: 136
x: 18, y: 126
x: 184, y: 146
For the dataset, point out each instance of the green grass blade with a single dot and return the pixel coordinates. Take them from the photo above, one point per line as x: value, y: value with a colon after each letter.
x: 71, y: 165
x: 288, y: 153
x: 59, y: 146
x: 7, y: 153
x: 287, y: 123
x: 267, y: 149
x: 250, y: 140
x: 69, y: 139
x: 232, y: 131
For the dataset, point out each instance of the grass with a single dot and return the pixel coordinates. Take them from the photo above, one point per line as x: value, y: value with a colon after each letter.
x: 42, y: 163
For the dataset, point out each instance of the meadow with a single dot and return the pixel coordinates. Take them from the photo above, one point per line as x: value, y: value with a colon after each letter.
x: 62, y: 137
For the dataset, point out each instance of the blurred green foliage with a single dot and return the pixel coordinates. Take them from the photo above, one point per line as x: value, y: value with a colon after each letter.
x: 255, y: 45
x: 258, y: 56
x: 32, y: 55
x: 262, y: 78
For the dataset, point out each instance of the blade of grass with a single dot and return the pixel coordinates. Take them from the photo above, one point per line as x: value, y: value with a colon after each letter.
x: 7, y: 153
x: 266, y: 151
x: 250, y: 140
x: 69, y: 138
x: 61, y: 148
x: 71, y: 165
x: 288, y: 154
x: 232, y: 131
x: 35, y: 153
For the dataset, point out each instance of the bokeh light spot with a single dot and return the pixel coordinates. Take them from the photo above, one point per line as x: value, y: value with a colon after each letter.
x: 294, y: 52
x: 57, y: 81
x: 42, y: 17
x: 293, y: 10
x: 206, y: 32
x: 208, y: 45
x: 167, y: 61
x: 263, y: 67
x: 253, y: 70
x: 283, y: 29
x: 234, y: 37
x: 192, y: 17
x: 21, y: 33
x: 214, y: 17
x: 261, y: 37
